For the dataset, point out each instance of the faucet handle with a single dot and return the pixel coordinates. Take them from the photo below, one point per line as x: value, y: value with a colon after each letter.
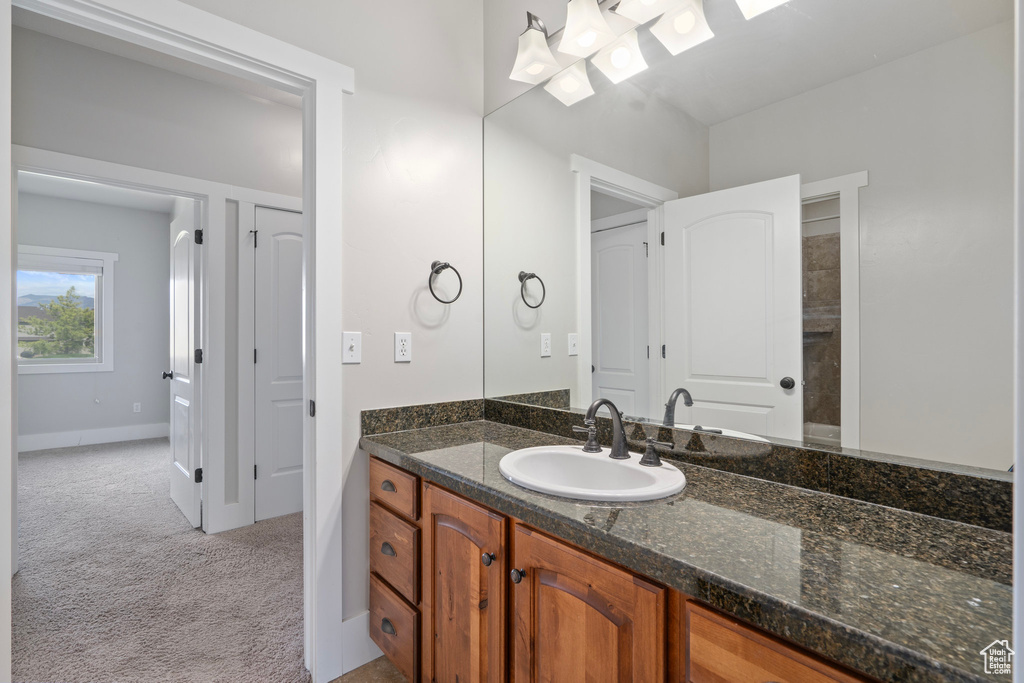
x: 651, y: 458
x: 592, y: 446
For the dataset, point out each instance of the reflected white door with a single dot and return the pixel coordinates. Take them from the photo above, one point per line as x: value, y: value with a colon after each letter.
x: 279, y: 403
x: 733, y: 307
x: 185, y: 492
x: 618, y: 274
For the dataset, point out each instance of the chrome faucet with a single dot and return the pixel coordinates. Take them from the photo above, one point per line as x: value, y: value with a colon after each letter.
x: 670, y: 407
x: 619, y: 450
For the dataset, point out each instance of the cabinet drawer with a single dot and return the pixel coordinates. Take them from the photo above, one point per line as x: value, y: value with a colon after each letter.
x: 397, y: 489
x: 395, y: 551
x: 395, y: 627
x: 722, y: 650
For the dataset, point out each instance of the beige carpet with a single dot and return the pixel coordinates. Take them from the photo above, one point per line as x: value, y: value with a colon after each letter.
x: 115, y: 586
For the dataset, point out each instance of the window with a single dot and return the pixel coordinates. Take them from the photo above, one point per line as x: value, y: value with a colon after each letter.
x: 65, y: 310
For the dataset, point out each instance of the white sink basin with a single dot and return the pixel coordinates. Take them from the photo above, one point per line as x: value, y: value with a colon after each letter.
x: 568, y: 471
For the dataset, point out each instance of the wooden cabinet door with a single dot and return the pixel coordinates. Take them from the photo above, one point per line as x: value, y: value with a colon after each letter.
x: 463, y: 598
x: 578, y: 618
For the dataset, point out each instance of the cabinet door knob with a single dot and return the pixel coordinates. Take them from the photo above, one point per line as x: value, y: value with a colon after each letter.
x: 487, y: 558
x: 388, y: 486
x: 787, y: 383
x: 388, y: 627
x: 517, y: 575
x: 388, y: 549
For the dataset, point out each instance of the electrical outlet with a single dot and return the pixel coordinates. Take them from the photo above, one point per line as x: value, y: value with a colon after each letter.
x: 574, y: 344
x: 403, y: 347
x: 545, y: 344
x: 136, y: 407
x: 351, y: 347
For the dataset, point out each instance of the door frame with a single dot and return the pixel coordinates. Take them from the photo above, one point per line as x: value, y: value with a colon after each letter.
x: 591, y: 175
x: 175, y: 28
x: 847, y: 188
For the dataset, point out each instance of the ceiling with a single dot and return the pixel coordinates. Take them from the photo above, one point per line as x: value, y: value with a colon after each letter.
x: 792, y: 49
x: 97, y: 193
x: 98, y: 41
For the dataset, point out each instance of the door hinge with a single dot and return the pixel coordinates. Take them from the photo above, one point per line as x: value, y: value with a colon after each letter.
x: 648, y: 351
x: 199, y: 475
x: 255, y: 237
x: 199, y: 355
x: 662, y: 239
x: 647, y: 250
x: 312, y: 408
x: 662, y: 350
x: 254, y: 471
x: 254, y: 355
x: 199, y: 236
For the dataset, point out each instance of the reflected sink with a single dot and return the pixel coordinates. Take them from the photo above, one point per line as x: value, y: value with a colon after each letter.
x: 725, y: 432
x: 569, y: 472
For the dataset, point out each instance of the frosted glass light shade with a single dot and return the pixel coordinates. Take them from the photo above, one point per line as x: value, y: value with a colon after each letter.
x: 751, y: 8
x: 621, y: 59
x: 683, y: 27
x: 534, y: 61
x: 572, y: 85
x: 586, y: 29
x: 642, y: 11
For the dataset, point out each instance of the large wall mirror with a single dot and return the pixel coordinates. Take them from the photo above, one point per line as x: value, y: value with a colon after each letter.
x: 805, y: 221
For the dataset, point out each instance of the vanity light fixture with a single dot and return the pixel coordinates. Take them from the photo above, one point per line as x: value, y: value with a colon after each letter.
x: 751, y: 8
x: 621, y: 59
x: 586, y: 29
x: 572, y: 85
x: 642, y: 11
x: 534, y: 61
x: 683, y: 27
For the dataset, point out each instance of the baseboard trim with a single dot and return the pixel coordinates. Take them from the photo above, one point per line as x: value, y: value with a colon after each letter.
x: 357, y: 648
x: 89, y: 437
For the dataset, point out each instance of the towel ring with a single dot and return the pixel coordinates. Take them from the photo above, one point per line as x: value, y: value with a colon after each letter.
x: 436, y: 268
x: 523, y: 277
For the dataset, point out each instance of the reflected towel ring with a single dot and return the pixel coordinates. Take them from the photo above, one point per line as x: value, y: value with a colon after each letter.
x: 523, y: 277
x: 436, y: 268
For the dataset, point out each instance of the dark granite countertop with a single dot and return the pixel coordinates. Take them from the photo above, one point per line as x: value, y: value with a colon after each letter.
x: 898, y: 595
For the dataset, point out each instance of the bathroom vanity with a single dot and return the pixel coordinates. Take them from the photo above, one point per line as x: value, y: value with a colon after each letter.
x: 734, y: 579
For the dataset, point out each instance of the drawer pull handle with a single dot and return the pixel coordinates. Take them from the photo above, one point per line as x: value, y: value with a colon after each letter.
x: 388, y: 549
x: 487, y: 558
x: 517, y: 575
x: 388, y: 486
x: 388, y: 627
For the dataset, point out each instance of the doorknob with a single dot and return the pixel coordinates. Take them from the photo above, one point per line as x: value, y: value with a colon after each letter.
x: 169, y: 375
x: 787, y: 383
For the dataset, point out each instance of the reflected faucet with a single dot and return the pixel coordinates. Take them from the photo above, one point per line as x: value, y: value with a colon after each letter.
x: 619, y: 450
x: 670, y: 407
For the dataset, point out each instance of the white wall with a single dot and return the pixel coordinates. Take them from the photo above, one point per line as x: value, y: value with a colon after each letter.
x: 412, y: 194
x: 530, y: 215
x: 77, y: 100
x: 935, y: 132
x: 76, y: 402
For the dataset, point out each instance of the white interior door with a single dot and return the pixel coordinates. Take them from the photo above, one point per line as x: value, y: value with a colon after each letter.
x: 185, y: 491
x: 618, y: 275
x: 732, y: 307
x: 278, y: 357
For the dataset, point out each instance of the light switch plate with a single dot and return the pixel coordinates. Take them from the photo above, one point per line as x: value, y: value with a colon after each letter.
x: 545, y: 344
x: 403, y: 347
x: 574, y: 344
x: 351, y: 347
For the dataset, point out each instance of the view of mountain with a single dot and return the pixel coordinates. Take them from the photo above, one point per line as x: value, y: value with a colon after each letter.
x: 37, y: 299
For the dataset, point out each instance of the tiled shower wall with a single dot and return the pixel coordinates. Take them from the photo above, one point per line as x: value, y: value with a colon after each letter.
x: 821, y: 313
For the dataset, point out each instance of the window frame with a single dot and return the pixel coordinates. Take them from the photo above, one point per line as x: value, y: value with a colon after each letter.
x: 60, y: 259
